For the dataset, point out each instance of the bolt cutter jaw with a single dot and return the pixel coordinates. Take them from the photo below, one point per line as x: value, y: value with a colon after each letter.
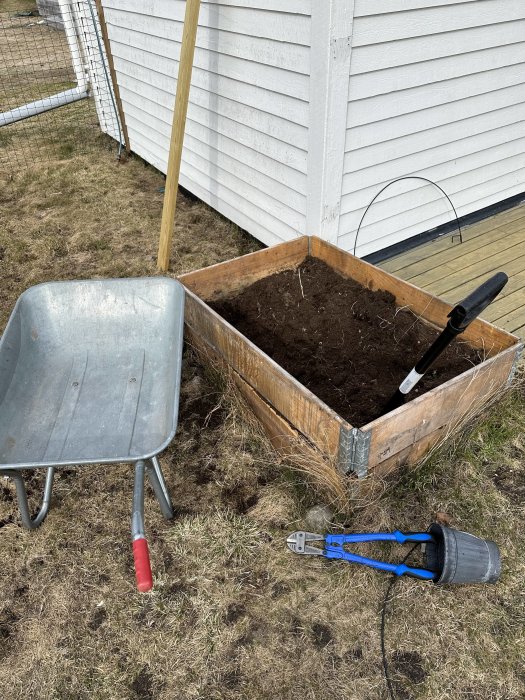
x: 298, y: 543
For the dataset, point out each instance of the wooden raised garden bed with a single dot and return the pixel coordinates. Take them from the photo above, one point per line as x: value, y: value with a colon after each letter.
x: 291, y: 413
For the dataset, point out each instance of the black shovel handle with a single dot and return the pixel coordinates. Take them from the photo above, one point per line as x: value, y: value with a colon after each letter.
x: 477, y: 301
x: 462, y: 315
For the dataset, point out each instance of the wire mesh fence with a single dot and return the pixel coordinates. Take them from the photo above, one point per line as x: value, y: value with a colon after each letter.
x: 56, y: 97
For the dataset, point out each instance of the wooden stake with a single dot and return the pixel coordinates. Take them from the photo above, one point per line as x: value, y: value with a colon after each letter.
x: 191, y: 19
x: 109, y: 56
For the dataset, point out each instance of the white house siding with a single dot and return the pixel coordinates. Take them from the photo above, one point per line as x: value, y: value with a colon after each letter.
x: 246, y: 141
x: 302, y: 110
x: 436, y: 89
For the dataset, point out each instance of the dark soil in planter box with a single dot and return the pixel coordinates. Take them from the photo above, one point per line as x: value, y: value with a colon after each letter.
x: 349, y: 345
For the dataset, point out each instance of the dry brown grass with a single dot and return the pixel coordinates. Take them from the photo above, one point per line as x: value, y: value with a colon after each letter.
x: 233, y: 615
x: 17, y: 5
x: 90, y: 216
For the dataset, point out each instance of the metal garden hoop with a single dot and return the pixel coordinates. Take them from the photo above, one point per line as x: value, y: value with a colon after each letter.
x: 399, y: 179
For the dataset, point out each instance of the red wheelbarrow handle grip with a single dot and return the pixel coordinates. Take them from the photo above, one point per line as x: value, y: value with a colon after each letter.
x: 142, y: 565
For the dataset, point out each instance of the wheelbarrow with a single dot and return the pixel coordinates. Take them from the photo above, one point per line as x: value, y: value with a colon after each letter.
x: 90, y: 374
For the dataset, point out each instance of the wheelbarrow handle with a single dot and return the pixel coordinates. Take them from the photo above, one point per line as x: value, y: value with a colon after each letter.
x: 140, y: 544
x: 142, y: 565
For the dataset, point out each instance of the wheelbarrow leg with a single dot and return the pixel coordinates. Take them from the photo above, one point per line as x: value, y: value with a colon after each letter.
x: 21, y: 494
x: 156, y: 478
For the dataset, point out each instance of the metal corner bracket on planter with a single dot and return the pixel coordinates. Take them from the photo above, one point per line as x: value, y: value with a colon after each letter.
x: 354, y: 448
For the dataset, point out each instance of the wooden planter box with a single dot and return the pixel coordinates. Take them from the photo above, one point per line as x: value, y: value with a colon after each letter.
x: 288, y: 410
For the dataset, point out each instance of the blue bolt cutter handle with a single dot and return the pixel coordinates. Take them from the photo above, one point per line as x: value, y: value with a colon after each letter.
x: 395, y: 536
x: 333, y: 549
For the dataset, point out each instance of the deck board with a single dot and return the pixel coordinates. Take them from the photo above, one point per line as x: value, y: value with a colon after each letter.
x: 451, y: 269
x: 414, y: 257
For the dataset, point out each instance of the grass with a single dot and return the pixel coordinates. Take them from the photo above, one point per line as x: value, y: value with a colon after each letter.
x: 14, y: 6
x: 233, y: 615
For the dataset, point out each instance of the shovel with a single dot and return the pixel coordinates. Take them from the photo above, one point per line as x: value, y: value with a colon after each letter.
x: 459, y: 319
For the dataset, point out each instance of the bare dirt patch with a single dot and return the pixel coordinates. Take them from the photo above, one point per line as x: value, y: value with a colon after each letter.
x: 509, y: 476
x: 410, y: 665
x: 511, y: 481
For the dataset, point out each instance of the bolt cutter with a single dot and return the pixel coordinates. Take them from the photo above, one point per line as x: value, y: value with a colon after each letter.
x: 333, y: 548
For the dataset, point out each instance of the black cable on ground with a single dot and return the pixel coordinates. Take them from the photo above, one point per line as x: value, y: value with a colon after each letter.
x: 386, y: 600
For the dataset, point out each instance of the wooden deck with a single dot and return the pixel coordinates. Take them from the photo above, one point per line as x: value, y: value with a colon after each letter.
x: 450, y: 269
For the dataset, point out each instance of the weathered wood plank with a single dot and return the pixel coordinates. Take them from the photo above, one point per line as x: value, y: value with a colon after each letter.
x: 512, y: 300
x: 515, y: 318
x: 458, y: 292
x: 295, y: 449
x: 278, y: 429
x: 411, y: 455
x: 446, y: 406
x: 448, y: 261
x: 228, y: 277
x: 512, y: 260
x: 288, y: 442
x: 480, y: 334
x: 111, y: 66
x: 403, y: 265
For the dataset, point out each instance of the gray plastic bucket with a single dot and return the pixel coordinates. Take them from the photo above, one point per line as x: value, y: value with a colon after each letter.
x: 459, y: 557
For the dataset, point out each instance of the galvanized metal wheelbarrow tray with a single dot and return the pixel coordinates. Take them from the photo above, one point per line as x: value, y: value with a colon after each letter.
x: 90, y: 373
